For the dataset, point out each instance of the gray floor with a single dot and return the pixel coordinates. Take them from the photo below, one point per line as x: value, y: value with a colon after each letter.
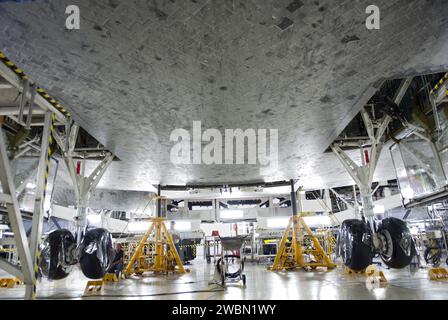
x: 261, y: 284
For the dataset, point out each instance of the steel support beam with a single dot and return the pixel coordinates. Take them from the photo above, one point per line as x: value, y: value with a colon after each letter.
x: 83, y: 185
x: 349, y: 205
x: 22, y: 186
x: 293, y: 198
x: 159, y: 202
x: 11, y: 269
x: 363, y: 175
x: 38, y: 212
x: 15, y: 215
x: 14, y: 111
x: 404, y: 85
x: 15, y: 80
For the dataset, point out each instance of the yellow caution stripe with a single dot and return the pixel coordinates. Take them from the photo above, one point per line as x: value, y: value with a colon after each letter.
x: 437, y: 86
x: 47, y: 173
x: 39, y: 90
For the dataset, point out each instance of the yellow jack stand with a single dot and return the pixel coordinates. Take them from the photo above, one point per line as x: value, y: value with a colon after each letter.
x: 9, y: 282
x: 375, y: 276
x: 438, y: 274
x: 293, y: 256
x: 161, y: 259
x: 94, y: 287
x: 110, y: 277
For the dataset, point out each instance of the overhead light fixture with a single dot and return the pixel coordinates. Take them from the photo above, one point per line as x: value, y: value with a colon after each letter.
x: 231, y: 214
x: 321, y: 220
x: 277, y: 222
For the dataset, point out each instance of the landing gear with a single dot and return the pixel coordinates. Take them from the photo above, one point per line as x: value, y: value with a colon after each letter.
x: 397, y: 246
x: 433, y: 252
x: 355, y: 244
x: 432, y: 256
x: 96, y: 252
x: 57, y: 254
x: 394, y: 243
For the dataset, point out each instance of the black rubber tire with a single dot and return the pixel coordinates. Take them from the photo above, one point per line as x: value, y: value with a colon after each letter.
x: 243, y: 277
x: 355, y: 244
x: 94, y: 264
x: 400, y: 240
x: 56, y: 245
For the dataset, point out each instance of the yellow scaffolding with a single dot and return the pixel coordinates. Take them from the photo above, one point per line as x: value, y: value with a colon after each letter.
x: 155, y: 252
x: 297, y: 254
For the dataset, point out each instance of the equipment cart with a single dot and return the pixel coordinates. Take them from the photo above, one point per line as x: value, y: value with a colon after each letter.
x: 230, y: 266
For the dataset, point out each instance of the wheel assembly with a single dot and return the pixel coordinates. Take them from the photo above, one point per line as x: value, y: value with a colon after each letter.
x: 96, y: 253
x: 397, y: 246
x: 57, y: 254
x: 433, y: 255
x: 355, y: 244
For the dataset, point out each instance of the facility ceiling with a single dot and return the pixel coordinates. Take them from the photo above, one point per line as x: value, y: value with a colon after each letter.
x: 136, y: 70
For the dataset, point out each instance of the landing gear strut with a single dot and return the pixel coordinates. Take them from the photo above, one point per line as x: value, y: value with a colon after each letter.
x: 360, y: 240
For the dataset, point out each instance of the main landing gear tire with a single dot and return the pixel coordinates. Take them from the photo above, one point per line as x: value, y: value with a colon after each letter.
x: 355, y: 244
x: 398, y: 247
x: 56, y: 260
x: 96, y: 253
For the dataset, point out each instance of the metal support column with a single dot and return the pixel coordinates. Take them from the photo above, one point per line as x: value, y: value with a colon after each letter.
x: 25, y: 271
x: 293, y: 198
x: 38, y: 212
x: 159, y: 202
x: 83, y: 185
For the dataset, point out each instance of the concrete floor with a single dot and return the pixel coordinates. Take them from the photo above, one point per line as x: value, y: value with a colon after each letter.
x: 261, y: 284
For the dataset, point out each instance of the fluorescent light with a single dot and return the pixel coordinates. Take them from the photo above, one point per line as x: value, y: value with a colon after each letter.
x: 322, y: 220
x: 277, y: 222
x: 94, y: 218
x: 138, y: 226
x: 378, y: 209
x: 231, y: 214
